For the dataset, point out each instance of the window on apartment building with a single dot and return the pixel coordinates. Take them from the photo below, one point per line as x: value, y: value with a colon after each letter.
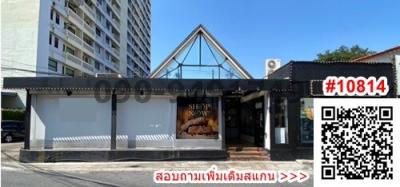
x: 98, y: 31
x: 68, y: 71
x: 97, y: 65
x: 57, y: 18
x: 108, y: 25
x: 86, y: 59
x: 55, y: 42
x: 51, y: 14
x: 70, y: 50
x: 50, y: 38
x: 98, y: 50
x: 52, y: 65
x: 109, y: 11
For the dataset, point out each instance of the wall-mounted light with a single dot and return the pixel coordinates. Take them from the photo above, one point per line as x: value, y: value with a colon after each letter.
x: 69, y: 92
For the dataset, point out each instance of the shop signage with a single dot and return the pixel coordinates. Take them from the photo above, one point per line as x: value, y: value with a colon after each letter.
x: 197, y: 118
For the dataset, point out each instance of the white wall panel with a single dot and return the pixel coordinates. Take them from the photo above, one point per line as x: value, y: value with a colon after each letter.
x: 152, y: 125
x: 60, y: 122
x: 146, y: 125
x: 70, y: 122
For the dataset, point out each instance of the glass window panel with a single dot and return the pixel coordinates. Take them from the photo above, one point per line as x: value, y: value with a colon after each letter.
x: 306, y: 120
x: 281, y: 120
x: 52, y: 65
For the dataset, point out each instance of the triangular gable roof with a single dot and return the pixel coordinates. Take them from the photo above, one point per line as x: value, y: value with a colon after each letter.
x: 188, y: 40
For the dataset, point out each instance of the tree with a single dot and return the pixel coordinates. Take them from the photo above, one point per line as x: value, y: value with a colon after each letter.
x: 344, y: 53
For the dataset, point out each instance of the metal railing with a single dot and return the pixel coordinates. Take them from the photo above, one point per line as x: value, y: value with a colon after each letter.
x: 75, y: 16
x: 87, y: 66
x: 74, y: 59
x: 90, y: 29
x: 116, y: 51
x: 56, y: 54
x: 88, y: 47
x: 115, y: 9
x: 90, y: 11
x: 116, y: 22
x: 116, y: 65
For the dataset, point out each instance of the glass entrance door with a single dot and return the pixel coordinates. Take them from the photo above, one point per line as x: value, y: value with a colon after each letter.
x: 306, y: 120
x: 259, y: 126
x: 280, y: 118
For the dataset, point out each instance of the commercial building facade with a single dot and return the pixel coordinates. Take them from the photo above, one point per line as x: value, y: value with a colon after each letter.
x: 175, y: 116
x: 171, y: 119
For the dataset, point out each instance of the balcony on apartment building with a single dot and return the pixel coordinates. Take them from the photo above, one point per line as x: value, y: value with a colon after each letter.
x: 57, y: 29
x: 74, y: 16
x: 109, y: 13
x: 84, y: 64
x: 90, y: 9
x: 87, y: 62
x: 83, y: 43
x: 116, y: 6
x: 115, y: 63
x: 108, y: 30
x: 88, y: 44
x: 106, y: 43
x: 56, y: 54
x: 107, y: 60
x: 137, y: 71
x: 89, y: 27
x: 116, y: 15
x: 130, y: 65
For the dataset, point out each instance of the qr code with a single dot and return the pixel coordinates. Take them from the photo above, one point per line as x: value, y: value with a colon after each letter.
x: 357, y: 142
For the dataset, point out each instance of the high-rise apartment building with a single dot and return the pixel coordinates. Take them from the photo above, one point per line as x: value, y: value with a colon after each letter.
x: 75, y: 37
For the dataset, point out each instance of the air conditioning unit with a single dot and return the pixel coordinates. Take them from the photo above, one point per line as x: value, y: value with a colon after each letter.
x: 271, y: 65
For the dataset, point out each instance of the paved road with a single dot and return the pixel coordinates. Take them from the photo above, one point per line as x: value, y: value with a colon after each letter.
x: 114, y: 178
x: 14, y: 173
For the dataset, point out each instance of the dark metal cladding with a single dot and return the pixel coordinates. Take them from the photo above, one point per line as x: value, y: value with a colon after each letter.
x: 145, y: 84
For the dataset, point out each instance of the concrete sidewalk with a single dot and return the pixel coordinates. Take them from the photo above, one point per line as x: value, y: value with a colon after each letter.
x: 15, y: 173
x: 10, y: 152
x: 156, y: 165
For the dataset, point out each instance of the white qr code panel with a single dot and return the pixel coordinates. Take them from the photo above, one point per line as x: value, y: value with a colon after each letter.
x: 356, y: 140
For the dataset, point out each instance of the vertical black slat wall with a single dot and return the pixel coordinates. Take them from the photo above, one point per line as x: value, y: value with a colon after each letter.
x: 113, y: 120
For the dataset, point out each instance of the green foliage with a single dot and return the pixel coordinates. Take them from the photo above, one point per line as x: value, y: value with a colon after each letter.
x: 13, y: 114
x: 344, y: 53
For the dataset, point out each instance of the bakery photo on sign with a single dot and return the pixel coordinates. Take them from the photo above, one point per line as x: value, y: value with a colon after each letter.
x: 197, y: 118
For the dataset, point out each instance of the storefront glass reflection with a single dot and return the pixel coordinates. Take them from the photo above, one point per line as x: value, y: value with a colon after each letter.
x: 280, y: 120
x: 306, y: 120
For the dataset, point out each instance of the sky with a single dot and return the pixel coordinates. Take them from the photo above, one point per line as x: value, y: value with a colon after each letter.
x: 254, y: 30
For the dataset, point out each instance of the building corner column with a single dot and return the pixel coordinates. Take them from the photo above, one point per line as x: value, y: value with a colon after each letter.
x: 27, y: 122
x: 113, y: 120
